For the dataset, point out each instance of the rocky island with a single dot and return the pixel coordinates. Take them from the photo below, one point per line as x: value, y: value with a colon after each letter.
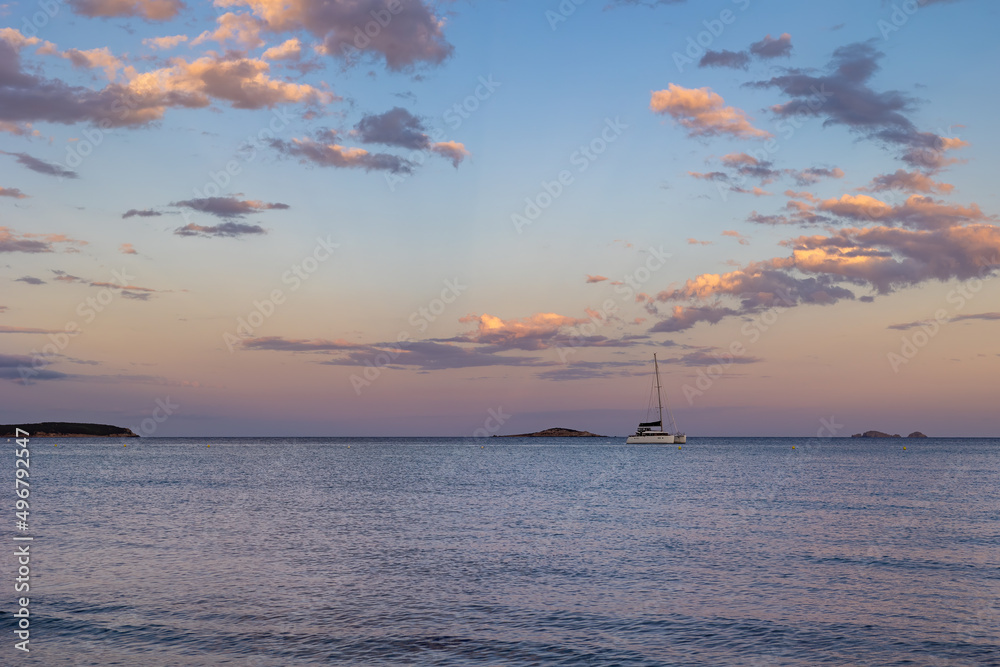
x: 880, y: 434
x: 555, y: 433
x: 66, y: 430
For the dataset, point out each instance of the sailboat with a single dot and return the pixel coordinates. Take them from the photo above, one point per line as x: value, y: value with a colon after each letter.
x: 652, y: 433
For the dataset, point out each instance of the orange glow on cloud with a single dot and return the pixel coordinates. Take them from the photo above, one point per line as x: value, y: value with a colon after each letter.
x: 533, y: 325
x: 703, y: 112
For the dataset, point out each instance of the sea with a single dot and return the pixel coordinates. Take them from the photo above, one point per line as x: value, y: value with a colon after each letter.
x: 498, y: 551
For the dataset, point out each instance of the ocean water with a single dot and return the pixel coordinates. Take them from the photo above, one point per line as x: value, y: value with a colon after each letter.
x: 510, y: 552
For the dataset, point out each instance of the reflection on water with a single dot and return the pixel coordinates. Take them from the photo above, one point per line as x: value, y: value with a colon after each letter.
x: 526, y: 552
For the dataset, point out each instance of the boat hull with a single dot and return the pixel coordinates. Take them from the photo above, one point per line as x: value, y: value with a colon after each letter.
x: 680, y: 439
x: 651, y: 439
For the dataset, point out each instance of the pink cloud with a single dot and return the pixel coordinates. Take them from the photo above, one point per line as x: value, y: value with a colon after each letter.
x: 737, y: 159
x: 889, y: 257
x: 535, y: 332
x: 408, y: 34
x: 732, y: 233
x: 151, y: 10
x: 917, y: 211
x: 808, y: 196
x: 243, y: 82
x: 489, y: 326
x: 94, y: 58
x: 11, y: 241
x: 18, y: 129
x: 12, y: 192
x: 334, y: 155
x: 26, y: 330
x: 820, y: 270
x: 289, y: 50
x: 225, y: 229
x: 812, y: 175
x: 164, y: 43
x: 226, y: 207
x: 451, y: 150
x: 242, y: 29
x: 770, y: 47
x: 909, y: 181
x: 703, y: 113
x: 142, y: 98
x: 929, y: 154
x: 685, y: 317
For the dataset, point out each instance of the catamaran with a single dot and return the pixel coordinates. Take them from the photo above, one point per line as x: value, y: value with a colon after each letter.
x: 652, y: 433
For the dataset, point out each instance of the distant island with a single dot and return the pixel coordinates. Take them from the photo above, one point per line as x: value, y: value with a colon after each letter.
x: 880, y: 434
x: 554, y: 433
x: 66, y: 430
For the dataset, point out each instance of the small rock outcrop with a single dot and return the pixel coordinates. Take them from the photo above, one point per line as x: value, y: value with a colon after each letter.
x: 554, y: 433
x: 916, y: 434
x: 66, y: 430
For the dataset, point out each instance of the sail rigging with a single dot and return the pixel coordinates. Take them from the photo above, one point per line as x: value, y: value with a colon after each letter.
x: 652, y: 432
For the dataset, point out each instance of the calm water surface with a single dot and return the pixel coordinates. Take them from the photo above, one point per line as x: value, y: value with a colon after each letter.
x: 511, y: 552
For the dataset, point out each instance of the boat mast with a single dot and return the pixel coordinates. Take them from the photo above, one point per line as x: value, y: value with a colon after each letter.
x: 659, y: 398
x: 673, y: 424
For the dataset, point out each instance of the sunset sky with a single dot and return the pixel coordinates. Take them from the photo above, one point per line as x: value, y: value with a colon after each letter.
x: 237, y: 211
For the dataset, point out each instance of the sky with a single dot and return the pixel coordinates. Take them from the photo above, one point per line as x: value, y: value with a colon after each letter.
x: 407, y: 218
